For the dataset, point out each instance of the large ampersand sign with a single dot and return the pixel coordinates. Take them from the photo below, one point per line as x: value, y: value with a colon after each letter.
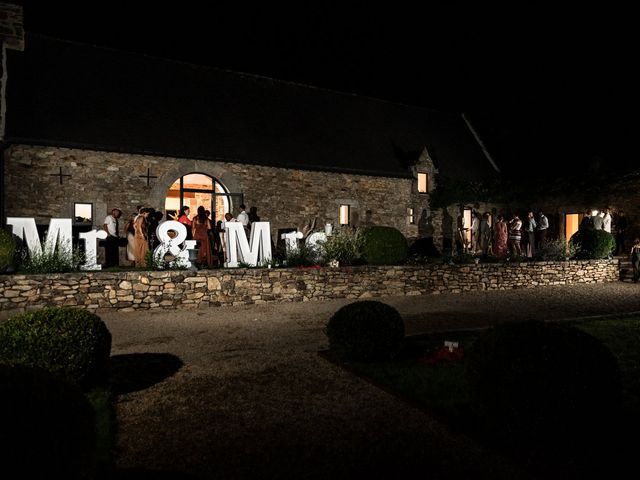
x: 179, y: 256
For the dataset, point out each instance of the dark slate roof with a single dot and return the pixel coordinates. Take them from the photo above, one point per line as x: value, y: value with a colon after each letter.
x: 67, y: 94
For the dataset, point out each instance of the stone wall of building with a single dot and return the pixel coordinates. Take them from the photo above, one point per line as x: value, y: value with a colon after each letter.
x: 287, y: 198
x: 129, y: 291
x: 619, y: 196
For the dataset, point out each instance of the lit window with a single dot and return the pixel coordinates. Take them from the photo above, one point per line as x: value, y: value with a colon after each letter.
x: 83, y: 213
x: 412, y: 219
x: 345, y: 212
x: 423, y: 183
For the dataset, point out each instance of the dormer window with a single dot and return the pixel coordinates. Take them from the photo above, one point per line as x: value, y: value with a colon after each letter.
x: 423, y: 183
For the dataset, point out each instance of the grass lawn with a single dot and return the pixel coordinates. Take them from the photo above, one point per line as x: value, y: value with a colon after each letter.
x: 441, y: 390
x: 102, y: 401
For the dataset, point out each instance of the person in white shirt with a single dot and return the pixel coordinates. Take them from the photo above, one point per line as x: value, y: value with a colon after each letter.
x: 597, y: 221
x: 606, y: 220
x: 110, y: 225
x: 542, y: 228
x: 243, y: 218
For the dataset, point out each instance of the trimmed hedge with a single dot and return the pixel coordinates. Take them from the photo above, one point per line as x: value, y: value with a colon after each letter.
x: 593, y: 244
x: 48, y: 426
x: 70, y: 343
x: 365, y: 331
x: 550, y: 388
x: 384, y: 246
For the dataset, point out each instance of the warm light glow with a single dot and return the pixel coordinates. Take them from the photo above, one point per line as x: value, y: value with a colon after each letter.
x: 594, y: 213
x: 411, y: 217
x: 571, y: 225
x: 83, y: 210
x: 172, y: 203
x: 197, y: 180
x: 204, y: 187
x: 467, y: 226
x: 423, y: 184
x: 222, y: 203
x: 344, y: 214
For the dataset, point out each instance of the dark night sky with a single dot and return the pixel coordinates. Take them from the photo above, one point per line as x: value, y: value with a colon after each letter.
x: 555, y: 87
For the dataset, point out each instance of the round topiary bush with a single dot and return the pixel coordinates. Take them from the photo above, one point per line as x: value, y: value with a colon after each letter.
x: 48, y: 425
x: 543, y: 387
x: 7, y: 250
x: 384, y: 246
x: 364, y: 331
x: 593, y: 244
x: 70, y: 343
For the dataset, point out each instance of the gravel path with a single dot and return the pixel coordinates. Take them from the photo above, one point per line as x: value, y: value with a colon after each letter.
x: 253, y: 398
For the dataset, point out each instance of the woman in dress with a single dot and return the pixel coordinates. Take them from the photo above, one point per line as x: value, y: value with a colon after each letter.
x: 219, y: 239
x: 141, y: 243
x: 185, y: 220
x: 131, y: 239
x: 201, y: 226
x: 500, y: 238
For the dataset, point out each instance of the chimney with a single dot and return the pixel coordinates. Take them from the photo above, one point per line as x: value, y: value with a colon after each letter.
x: 11, y: 26
x: 11, y: 38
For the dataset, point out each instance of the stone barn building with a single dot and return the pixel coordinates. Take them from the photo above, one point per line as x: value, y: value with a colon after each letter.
x: 85, y: 129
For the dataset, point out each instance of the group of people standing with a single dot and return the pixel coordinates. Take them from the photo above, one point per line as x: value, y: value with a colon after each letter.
x: 140, y: 231
x: 141, y: 234
x: 598, y: 221
x: 210, y: 238
x: 518, y: 237
x: 524, y: 236
x: 502, y: 237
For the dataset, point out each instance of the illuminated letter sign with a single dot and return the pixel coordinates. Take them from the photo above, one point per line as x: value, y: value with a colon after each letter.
x: 238, y: 249
x: 90, y: 249
x: 291, y: 240
x: 59, y: 234
x: 179, y: 255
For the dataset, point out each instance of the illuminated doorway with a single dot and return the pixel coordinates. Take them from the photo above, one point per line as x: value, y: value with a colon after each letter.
x: 468, y: 219
x: 571, y: 224
x: 194, y: 190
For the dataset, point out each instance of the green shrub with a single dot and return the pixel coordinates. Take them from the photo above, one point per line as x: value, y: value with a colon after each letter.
x: 463, y: 258
x: 303, y: 256
x: 365, y: 331
x: 71, y: 343
x: 554, y: 250
x: 7, y: 250
x: 58, y: 261
x: 384, y: 246
x: 547, y: 388
x: 515, y: 258
x: 48, y: 426
x: 343, y: 246
x: 593, y: 244
x: 103, y: 402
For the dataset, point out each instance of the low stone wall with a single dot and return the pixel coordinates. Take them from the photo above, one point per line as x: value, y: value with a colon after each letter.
x: 183, y: 289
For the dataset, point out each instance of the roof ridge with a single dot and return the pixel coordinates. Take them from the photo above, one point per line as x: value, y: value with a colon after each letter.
x: 245, y: 74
